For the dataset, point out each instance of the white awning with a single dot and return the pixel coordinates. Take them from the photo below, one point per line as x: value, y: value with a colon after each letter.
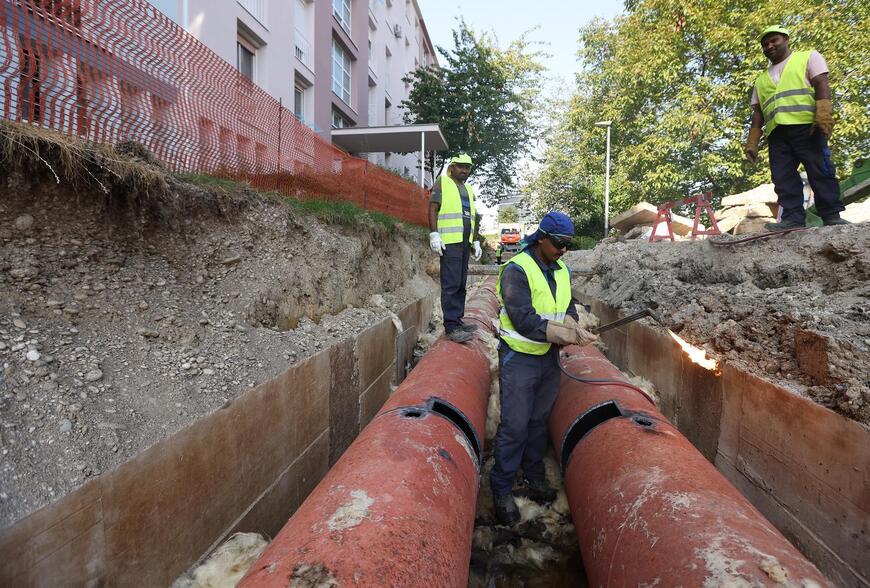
x: 401, y: 139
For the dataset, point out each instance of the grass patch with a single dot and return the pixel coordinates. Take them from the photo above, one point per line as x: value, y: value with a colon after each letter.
x: 343, y: 213
x: 212, y: 182
x: 333, y: 212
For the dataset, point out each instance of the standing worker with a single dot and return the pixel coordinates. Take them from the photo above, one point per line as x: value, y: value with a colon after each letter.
x: 453, y: 226
x: 792, y: 99
x: 537, y: 317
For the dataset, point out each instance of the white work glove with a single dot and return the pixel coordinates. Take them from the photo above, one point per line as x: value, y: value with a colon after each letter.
x: 435, y: 242
x: 477, y: 251
x: 569, y: 332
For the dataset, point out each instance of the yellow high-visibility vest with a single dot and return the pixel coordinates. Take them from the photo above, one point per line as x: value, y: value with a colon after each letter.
x: 790, y: 102
x: 543, y: 302
x: 450, y: 213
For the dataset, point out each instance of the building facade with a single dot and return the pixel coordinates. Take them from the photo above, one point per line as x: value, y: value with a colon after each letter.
x: 334, y: 63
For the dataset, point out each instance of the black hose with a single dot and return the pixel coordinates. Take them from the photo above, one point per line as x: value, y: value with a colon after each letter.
x: 605, y: 382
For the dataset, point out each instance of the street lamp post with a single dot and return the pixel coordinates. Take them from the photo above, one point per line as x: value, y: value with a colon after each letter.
x: 606, y: 124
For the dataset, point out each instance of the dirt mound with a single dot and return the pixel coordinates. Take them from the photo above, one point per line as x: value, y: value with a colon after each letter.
x: 126, y: 315
x: 794, y: 308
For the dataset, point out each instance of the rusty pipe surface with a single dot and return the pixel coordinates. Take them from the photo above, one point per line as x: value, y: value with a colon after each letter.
x: 648, y: 508
x: 398, y: 507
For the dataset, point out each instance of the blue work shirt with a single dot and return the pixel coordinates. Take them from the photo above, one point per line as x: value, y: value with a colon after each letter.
x: 517, y: 297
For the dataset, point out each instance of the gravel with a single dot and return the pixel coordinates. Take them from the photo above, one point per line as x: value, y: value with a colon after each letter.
x: 114, y: 337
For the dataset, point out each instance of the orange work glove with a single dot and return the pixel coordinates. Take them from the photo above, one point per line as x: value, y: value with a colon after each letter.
x: 751, y: 149
x: 824, y: 117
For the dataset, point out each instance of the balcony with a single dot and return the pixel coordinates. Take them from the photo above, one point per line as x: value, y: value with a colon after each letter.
x: 256, y: 8
x: 373, y: 20
x: 303, y: 50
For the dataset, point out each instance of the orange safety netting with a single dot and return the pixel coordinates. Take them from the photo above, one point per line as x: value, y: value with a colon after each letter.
x: 122, y: 70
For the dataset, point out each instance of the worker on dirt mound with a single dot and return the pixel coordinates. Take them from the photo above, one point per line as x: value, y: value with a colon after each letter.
x: 453, y: 226
x: 792, y: 99
x: 537, y: 317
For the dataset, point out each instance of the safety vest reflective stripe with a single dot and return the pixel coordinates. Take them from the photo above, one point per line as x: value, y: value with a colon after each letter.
x: 793, y: 108
x: 785, y: 94
x: 559, y: 316
x: 792, y: 100
x: 446, y: 230
x: 514, y: 335
x: 450, y: 216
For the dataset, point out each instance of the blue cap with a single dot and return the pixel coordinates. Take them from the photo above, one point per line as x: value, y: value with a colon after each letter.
x: 554, y: 223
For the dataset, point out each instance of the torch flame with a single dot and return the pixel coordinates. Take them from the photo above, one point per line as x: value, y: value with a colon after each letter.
x: 696, y: 354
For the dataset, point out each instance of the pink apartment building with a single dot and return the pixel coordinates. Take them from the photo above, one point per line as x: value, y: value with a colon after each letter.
x: 334, y: 63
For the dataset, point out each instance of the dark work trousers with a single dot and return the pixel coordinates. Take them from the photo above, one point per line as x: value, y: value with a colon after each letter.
x: 528, y: 388
x: 789, y: 145
x: 454, y: 276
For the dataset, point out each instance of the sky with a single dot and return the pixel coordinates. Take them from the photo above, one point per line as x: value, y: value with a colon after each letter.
x: 558, y: 25
x: 558, y: 22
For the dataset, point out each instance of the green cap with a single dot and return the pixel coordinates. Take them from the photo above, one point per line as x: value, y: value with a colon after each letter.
x: 462, y: 158
x: 773, y: 29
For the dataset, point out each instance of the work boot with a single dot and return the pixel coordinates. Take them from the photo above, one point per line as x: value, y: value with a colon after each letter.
x: 468, y: 327
x: 506, y: 510
x: 833, y: 221
x: 459, y: 336
x: 784, y: 226
x: 540, y: 491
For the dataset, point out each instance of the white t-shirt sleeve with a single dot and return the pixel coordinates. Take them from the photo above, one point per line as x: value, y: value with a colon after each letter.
x: 816, y: 65
x: 754, y: 100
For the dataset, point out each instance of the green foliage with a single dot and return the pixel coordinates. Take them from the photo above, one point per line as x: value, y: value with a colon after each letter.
x: 485, y: 99
x: 675, y: 78
x: 508, y: 214
x: 583, y: 242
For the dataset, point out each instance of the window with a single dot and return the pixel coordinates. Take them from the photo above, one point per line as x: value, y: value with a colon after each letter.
x: 299, y: 103
x: 340, y: 72
x: 246, y: 58
x: 338, y: 121
x: 341, y: 12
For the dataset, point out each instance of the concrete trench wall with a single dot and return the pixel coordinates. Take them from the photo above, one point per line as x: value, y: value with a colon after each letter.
x: 805, y: 467
x: 245, y: 467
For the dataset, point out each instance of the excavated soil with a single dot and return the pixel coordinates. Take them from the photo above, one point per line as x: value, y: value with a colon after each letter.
x: 118, y: 327
x: 794, y: 309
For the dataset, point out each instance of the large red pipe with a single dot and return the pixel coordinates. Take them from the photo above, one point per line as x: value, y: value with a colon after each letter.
x: 648, y: 508
x: 398, y: 508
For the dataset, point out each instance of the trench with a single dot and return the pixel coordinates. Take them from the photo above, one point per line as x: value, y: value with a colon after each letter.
x: 297, y: 439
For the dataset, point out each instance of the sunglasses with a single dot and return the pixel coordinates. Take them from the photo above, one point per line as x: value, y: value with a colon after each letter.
x: 559, y: 242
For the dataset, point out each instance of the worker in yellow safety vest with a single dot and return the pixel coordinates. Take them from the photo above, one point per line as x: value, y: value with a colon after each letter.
x: 454, y: 232
x: 792, y: 101
x: 537, y: 316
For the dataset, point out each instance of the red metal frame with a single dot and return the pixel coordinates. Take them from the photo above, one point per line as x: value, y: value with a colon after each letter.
x: 701, y: 202
x: 664, y: 214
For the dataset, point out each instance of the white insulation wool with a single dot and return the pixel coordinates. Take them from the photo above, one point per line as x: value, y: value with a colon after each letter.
x: 227, y: 564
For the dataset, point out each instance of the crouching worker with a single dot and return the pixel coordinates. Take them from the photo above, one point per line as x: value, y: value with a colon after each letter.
x: 537, y: 317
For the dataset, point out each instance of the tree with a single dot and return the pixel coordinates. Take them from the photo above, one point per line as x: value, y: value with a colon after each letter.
x: 675, y: 79
x: 508, y: 214
x: 484, y: 98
